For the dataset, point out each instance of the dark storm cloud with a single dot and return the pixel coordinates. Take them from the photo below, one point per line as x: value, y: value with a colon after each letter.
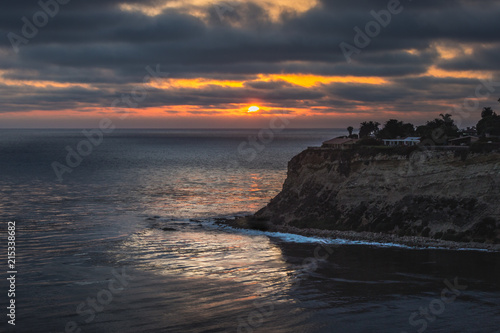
x: 426, y: 83
x: 74, y: 27
x: 16, y: 98
x: 484, y: 57
x: 97, y: 42
x: 25, y: 7
x: 369, y: 92
x: 427, y: 88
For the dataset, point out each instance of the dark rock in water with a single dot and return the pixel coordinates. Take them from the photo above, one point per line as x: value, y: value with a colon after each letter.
x: 257, y: 223
x: 168, y: 229
x: 150, y: 219
x: 156, y: 217
x: 194, y: 220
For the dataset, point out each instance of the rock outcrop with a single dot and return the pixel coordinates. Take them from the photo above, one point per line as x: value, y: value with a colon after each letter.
x: 408, y: 192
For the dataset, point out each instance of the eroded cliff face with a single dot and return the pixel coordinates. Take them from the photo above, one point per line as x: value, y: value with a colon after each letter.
x: 443, y: 195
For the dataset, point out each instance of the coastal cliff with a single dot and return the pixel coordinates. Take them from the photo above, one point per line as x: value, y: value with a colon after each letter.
x: 407, y: 192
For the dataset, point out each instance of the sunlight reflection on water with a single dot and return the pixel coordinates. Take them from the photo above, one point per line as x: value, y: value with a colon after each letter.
x: 195, y: 252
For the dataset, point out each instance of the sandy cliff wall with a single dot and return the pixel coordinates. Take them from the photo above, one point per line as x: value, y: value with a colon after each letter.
x: 445, y: 195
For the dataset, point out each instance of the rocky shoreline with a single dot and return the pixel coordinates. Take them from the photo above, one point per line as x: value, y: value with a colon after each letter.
x: 406, y: 196
x: 249, y: 222
x: 412, y: 196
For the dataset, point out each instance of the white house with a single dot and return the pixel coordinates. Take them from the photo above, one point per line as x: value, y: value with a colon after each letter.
x: 409, y: 141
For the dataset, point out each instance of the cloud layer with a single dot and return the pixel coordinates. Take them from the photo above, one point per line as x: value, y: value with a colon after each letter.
x: 429, y: 57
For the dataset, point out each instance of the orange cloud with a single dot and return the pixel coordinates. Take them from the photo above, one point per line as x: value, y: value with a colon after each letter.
x: 310, y: 80
x: 43, y: 84
x: 198, y: 8
x: 437, y: 72
x: 197, y: 83
x: 303, y: 80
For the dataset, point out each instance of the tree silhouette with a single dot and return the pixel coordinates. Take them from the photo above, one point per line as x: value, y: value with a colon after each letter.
x: 368, y: 128
x: 489, y: 123
x: 439, y: 130
x: 487, y: 112
x: 350, y: 129
x: 446, y: 118
x: 394, y: 128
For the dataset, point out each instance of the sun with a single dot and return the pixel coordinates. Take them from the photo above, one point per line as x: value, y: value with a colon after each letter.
x: 253, y: 108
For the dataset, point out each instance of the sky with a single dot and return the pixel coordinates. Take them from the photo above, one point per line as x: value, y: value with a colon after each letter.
x: 204, y: 64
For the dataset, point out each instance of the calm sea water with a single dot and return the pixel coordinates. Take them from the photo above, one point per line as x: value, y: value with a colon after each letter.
x: 125, y: 243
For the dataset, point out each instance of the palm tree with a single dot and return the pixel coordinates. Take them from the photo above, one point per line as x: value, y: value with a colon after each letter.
x: 350, y: 129
x: 446, y: 117
x: 487, y: 112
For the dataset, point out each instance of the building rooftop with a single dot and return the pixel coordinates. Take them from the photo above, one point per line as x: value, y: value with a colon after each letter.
x: 338, y: 141
x: 410, y: 138
x: 464, y: 137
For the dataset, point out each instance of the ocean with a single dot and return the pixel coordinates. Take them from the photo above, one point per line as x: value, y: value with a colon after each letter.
x: 115, y: 232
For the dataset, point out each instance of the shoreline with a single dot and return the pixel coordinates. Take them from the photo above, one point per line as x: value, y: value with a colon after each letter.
x: 239, y: 222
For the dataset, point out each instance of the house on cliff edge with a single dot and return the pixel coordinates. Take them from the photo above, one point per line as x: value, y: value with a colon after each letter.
x: 339, y: 143
x: 463, y: 141
x: 409, y: 141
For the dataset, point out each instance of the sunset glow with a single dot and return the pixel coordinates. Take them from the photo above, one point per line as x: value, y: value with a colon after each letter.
x: 199, y: 61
